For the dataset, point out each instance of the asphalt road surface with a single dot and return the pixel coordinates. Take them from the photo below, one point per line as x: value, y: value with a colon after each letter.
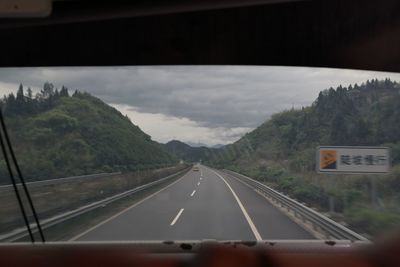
x: 203, y: 204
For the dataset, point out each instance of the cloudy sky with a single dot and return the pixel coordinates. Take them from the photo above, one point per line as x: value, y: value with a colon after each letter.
x: 206, y: 104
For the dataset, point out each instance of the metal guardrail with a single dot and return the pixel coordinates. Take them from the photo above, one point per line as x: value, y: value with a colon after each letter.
x: 330, y: 228
x: 22, y: 232
x: 9, y: 187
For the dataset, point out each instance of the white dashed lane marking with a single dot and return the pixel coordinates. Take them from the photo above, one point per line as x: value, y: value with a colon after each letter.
x: 177, y: 217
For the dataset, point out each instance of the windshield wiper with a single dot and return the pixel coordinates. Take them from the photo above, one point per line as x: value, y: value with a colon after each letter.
x: 5, y: 140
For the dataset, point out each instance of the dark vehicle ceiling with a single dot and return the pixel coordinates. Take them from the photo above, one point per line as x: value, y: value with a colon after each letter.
x: 322, y: 33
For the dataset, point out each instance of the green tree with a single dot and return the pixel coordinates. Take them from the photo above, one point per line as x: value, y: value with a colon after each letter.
x: 48, y: 90
x: 29, y: 93
x: 20, y: 100
x: 64, y: 91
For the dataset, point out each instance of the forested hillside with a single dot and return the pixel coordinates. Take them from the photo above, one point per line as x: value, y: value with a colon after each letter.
x: 281, y: 152
x: 55, y: 135
x: 368, y: 114
x: 186, y: 152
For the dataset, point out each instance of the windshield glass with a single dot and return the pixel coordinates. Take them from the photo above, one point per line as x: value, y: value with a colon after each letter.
x: 200, y: 152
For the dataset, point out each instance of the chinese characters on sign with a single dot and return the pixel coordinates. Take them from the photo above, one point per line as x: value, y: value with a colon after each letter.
x: 360, y: 160
x: 353, y: 159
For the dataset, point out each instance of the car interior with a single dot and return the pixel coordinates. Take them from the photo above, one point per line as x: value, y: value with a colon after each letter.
x: 363, y: 35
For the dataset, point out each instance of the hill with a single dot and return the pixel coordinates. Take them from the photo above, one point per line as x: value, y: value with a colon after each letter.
x: 193, y: 144
x: 56, y: 135
x: 185, y: 152
x: 368, y: 114
x: 281, y: 153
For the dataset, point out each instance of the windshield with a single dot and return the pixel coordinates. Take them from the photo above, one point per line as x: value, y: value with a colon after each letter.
x: 199, y: 152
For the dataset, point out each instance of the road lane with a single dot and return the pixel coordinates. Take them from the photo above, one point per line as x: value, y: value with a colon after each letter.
x: 211, y: 213
x: 194, y: 209
x: 271, y: 222
x: 242, y: 208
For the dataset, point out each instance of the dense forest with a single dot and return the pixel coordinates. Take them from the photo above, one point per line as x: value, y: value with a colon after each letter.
x: 57, y: 135
x: 281, y: 152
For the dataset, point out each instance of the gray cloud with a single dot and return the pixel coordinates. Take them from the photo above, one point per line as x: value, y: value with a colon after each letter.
x: 211, y: 96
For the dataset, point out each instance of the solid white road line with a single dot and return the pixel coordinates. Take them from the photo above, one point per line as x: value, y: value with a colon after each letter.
x: 198, y: 183
x: 246, y: 215
x: 192, y: 194
x: 176, y: 217
x: 121, y: 212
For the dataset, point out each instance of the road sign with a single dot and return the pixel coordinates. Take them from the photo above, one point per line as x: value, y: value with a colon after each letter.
x: 352, y: 159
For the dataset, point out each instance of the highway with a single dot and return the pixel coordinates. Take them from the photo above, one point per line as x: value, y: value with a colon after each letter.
x: 203, y: 204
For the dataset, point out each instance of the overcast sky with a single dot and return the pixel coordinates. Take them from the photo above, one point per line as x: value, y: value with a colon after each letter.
x: 207, y: 104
